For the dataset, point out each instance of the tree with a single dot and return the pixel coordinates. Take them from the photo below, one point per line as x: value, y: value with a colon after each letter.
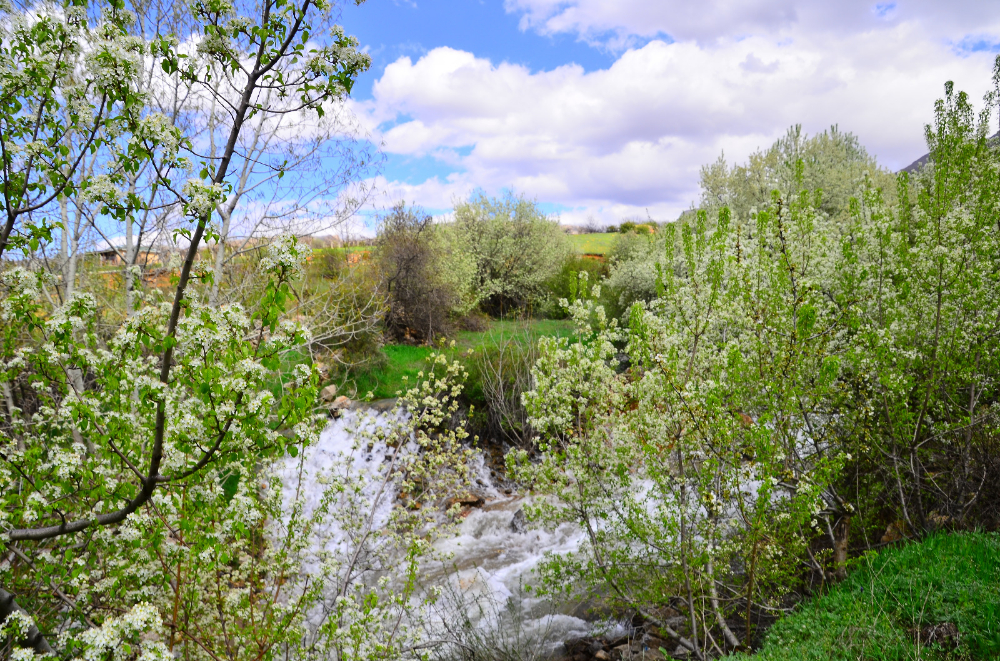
x: 709, y: 463
x: 516, y: 249
x: 426, y: 279
x: 928, y: 331
x: 802, y: 377
x: 832, y: 165
x: 129, y: 461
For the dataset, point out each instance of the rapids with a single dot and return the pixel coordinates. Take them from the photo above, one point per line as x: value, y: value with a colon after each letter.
x: 491, y: 557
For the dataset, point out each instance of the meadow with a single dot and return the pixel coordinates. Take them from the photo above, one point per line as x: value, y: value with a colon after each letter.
x: 593, y: 244
x: 401, y: 364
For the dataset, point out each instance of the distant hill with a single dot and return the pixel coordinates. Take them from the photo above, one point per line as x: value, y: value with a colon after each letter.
x: 917, y: 164
x: 920, y: 162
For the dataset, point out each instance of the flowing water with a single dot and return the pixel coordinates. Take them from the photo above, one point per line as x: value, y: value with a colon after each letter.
x: 493, y: 553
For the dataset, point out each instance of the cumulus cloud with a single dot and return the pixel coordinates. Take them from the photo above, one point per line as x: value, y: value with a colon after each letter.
x: 632, y: 137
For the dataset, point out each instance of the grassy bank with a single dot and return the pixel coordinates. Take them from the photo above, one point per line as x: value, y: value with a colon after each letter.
x: 403, y: 362
x: 937, y: 599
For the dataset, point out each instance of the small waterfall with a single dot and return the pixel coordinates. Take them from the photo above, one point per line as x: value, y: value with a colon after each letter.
x: 491, y: 555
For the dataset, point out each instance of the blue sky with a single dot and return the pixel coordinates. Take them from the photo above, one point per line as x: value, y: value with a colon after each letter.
x: 391, y: 29
x: 607, y: 109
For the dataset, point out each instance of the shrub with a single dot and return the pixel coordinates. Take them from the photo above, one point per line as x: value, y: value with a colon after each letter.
x: 516, y: 249
x: 423, y: 276
x: 499, y: 374
x: 632, y: 270
x: 565, y: 283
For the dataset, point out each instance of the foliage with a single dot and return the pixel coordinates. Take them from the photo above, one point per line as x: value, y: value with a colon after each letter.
x: 515, y: 248
x: 927, y: 362
x: 61, y: 99
x: 832, y: 165
x: 500, y: 373
x: 632, y: 270
x: 398, y: 369
x: 799, y: 367
x: 640, y: 227
x: 142, y: 509
x: 713, y: 451
x: 427, y: 279
x: 890, y: 605
x: 566, y: 283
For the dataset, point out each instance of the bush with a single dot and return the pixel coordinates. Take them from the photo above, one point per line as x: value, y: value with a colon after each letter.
x: 632, y: 270
x: 423, y: 276
x: 516, y: 249
x: 500, y: 372
x: 566, y: 283
x: 932, y: 600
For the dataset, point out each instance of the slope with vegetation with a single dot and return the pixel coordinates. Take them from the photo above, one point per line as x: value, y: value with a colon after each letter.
x: 936, y: 599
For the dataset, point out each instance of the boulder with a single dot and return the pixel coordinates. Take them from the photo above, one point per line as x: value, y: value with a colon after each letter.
x: 519, y: 523
x: 328, y: 394
x: 468, y: 500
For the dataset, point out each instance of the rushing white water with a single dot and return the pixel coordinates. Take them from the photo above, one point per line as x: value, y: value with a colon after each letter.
x: 490, y: 557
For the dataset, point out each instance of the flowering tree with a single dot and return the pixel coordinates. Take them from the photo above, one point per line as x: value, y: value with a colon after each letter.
x: 515, y: 248
x: 799, y: 374
x: 136, y: 511
x: 928, y: 364
x: 713, y: 449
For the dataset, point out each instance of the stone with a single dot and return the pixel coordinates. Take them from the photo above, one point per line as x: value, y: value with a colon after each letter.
x: 468, y: 500
x: 328, y: 394
x: 649, y: 654
x: 576, y: 645
x: 519, y: 523
x: 681, y: 652
x: 602, y: 656
x: 621, y: 652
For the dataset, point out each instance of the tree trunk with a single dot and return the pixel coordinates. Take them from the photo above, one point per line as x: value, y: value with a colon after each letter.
x: 840, y: 536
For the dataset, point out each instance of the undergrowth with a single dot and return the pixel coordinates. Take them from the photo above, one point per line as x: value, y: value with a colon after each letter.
x: 402, y: 362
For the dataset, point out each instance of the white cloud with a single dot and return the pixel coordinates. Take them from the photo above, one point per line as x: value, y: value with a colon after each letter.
x: 617, y: 141
x: 601, y: 21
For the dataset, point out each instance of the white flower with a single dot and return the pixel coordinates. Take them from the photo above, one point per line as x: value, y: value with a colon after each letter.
x: 102, y: 189
x: 202, y: 198
x: 284, y: 253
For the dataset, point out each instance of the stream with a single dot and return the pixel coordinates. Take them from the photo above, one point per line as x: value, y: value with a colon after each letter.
x: 493, y: 553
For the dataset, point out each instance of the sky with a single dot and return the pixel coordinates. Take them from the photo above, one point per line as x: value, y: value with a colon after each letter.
x: 607, y: 109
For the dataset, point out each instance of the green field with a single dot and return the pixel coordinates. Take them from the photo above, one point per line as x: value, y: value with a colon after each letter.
x: 896, y: 602
x: 403, y: 360
x: 593, y: 244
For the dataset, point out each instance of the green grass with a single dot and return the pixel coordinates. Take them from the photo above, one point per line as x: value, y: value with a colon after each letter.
x: 593, y: 244
x: 403, y: 360
x: 876, y: 612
